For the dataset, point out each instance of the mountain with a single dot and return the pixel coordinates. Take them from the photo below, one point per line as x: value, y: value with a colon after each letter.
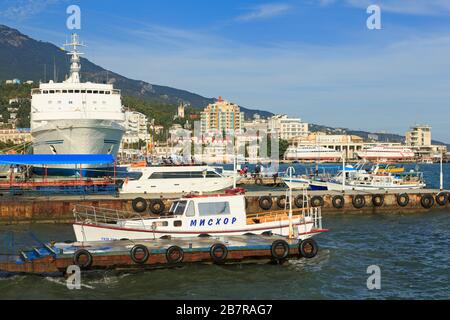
x: 24, y: 58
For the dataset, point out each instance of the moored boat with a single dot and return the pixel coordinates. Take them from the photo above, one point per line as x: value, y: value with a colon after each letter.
x: 74, y: 117
x: 312, y: 153
x: 176, y: 179
x: 192, y: 216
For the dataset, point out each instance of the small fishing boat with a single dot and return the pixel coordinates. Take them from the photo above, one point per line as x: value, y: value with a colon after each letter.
x: 366, y: 181
x: 196, y: 215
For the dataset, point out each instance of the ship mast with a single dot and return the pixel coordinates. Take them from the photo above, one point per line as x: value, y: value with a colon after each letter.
x: 75, y: 65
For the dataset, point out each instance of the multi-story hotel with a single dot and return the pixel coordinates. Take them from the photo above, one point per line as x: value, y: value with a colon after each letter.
x: 135, y: 127
x: 419, y: 135
x: 222, y: 116
x: 288, y: 128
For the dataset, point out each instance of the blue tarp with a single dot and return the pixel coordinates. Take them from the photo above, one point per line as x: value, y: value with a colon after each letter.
x: 43, y: 159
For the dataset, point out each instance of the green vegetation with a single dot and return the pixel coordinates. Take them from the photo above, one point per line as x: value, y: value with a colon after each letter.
x: 161, y: 112
x: 283, y: 145
x: 23, y: 106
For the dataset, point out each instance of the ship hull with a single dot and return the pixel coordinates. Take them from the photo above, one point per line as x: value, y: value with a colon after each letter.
x: 77, y: 136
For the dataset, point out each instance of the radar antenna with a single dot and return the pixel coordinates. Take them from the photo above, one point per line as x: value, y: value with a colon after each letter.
x: 75, y: 65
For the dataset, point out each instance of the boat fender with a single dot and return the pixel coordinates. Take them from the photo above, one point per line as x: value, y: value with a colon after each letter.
x: 78, y: 256
x: 139, y: 254
x: 282, y: 201
x: 427, y: 201
x: 174, y: 255
x: 338, y: 202
x: 259, y: 181
x: 157, y: 206
x: 317, y: 201
x: 139, y: 204
x: 402, y: 200
x: 359, y: 201
x: 218, y: 253
x: 265, y: 202
x: 279, y: 250
x: 442, y: 198
x: 308, y: 248
x: 298, y: 201
x: 377, y: 200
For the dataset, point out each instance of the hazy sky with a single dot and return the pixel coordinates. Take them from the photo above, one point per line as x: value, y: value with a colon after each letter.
x: 314, y: 58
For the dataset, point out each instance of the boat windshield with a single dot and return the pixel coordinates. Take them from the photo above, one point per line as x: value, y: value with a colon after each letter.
x: 178, y: 207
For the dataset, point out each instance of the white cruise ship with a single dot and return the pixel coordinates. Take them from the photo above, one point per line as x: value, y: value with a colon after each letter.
x: 389, y: 153
x: 312, y: 153
x: 76, y: 117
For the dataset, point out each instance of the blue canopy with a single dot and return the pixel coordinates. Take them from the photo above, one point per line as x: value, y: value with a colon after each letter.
x: 43, y: 159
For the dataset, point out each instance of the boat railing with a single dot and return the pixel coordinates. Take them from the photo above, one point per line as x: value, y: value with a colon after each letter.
x: 315, y: 213
x: 276, y: 214
x: 97, y: 215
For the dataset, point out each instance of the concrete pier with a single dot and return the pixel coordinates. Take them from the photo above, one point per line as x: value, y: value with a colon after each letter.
x: 58, y: 209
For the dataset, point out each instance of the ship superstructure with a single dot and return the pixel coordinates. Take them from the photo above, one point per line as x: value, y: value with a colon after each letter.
x: 74, y: 117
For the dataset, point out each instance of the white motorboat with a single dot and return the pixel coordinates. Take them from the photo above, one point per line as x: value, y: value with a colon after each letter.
x: 194, y: 216
x: 175, y: 179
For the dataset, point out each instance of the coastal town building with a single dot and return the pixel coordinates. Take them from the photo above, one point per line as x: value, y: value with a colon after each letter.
x: 256, y: 125
x: 15, y: 136
x: 222, y: 116
x: 287, y: 128
x: 135, y: 127
x: 419, y: 135
x: 346, y: 144
x: 420, y: 141
x: 181, y: 111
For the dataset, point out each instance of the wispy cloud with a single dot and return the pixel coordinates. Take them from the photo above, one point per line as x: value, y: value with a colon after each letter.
x: 302, y: 79
x: 412, y: 7
x: 265, y: 11
x: 23, y: 9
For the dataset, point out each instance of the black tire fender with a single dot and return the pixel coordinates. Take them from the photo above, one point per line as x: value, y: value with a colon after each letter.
x: 76, y: 259
x: 359, y: 201
x: 427, y: 201
x: 276, y: 246
x: 378, y: 200
x: 298, y: 201
x: 282, y: 201
x: 157, y: 206
x: 174, y: 255
x: 139, y: 205
x: 308, y: 248
x: 265, y: 202
x: 442, y: 198
x: 402, y: 199
x: 317, y: 201
x: 338, y: 202
x: 218, y: 253
x: 134, y: 254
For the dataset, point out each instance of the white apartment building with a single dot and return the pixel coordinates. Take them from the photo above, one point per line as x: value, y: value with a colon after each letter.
x: 288, y: 128
x: 135, y: 127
